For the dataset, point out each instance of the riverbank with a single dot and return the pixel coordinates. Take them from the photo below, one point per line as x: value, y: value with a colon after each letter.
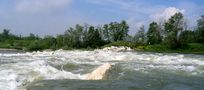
x: 5, y: 50
x: 192, y: 48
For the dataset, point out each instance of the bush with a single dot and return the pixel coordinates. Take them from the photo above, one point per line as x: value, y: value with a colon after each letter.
x: 4, y: 45
x: 196, y: 47
x: 35, y: 46
x: 157, y: 48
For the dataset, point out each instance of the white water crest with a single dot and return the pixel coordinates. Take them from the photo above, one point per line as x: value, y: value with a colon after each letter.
x: 17, y: 70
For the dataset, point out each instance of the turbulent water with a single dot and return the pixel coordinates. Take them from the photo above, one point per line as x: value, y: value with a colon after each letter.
x: 132, y: 70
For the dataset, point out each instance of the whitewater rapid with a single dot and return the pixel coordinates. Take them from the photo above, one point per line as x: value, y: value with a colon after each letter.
x: 19, y: 69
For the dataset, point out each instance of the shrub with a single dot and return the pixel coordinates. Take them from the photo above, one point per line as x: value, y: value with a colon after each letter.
x: 35, y: 46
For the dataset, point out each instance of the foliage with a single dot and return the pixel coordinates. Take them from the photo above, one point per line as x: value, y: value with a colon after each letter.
x: 106, y: 33
x: 118, y: 31
x: 188, y: 36
x: 201, y: 29
x: 153, y: 34
x: 48, y: 42
x: 172, y: 29
x: 140, y: 36
x: 34, y: 46
x: 94, y: 38
x: 157, y: 48
x: 194, y: 48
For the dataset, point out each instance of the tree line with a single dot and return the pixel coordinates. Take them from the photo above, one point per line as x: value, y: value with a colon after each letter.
x: 173, y: 34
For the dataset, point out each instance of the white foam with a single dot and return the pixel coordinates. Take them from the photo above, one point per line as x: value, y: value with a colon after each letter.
x: 15, y: 75
x: 28, y: 67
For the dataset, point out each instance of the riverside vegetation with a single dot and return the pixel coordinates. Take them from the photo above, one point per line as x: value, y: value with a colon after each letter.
x: 171, y: 36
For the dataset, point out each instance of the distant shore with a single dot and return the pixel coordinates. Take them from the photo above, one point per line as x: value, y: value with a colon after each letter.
x: 6, y: 50
x: 116, y: 48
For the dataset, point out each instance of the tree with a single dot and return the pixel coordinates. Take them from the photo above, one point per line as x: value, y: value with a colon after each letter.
x: 173, y: 27
x: 153, y: 34
x: 188, y: 36
x: 69, y: 37
x: 118, y: 31
x: 106, y: 33
x: 6, y: 33
x: 94, y: 38
x: 139, y: 37
x: 200, y: 29
x: 78, y: 36
x: 113, y: 27
x: 174, y: 24
x: 60, y: 41
x: 48, y: 42
x: 98, y: 40
x: 124, y: 28
x: 32, y: 37
x: 85, y: 36
x: 34, y: 46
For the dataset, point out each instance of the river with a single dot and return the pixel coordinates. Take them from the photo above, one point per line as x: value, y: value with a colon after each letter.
x: 66, y: 70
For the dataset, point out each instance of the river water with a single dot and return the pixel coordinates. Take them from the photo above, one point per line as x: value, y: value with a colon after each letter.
x: 66, y: 70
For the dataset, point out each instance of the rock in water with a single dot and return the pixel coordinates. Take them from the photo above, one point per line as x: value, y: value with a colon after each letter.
x: 100, y: 72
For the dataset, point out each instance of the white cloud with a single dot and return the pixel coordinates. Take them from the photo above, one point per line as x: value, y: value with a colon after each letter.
x: 194, y: 10
x: 165, y: 14
x: 33, y: 6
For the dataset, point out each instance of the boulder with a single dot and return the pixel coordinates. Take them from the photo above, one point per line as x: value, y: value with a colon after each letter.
x: 99, y: 73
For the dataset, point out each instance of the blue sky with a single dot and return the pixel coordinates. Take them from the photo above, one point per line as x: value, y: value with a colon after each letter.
x: 51, y: 17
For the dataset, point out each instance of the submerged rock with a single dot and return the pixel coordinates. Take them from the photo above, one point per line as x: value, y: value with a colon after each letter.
x: 100, y: 72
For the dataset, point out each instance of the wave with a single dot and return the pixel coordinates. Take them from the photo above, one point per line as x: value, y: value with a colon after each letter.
x: 17, y: 70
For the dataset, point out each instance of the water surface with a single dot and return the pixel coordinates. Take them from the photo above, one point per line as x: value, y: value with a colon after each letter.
x: 66, y: 70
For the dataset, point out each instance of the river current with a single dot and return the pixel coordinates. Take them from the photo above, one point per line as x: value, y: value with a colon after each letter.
x: 66, y: 70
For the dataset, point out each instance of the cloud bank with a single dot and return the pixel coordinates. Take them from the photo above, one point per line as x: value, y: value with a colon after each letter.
x: 166, y: 14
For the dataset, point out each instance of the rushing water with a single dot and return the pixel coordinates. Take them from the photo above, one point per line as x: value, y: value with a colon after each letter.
x: 66, y: 70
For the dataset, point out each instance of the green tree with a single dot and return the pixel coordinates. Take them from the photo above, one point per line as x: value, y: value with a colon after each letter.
x: 60, y: 41
x: 188, y: 36
x: 106, y: 33
x: 78, y: 37
x: 124, y: 29
x: 69, y: 37
x: 139, y: 37
x: 35, y: 46
x: 153, y: 34
x: 48, y: 42
x: 85, y: 36
x: 173, y: 27
x: 32, y: 37
x: 94, y: 38
x: 200, y: 29
x: 6, y: 33
x: 73, y: 37
x: 118, y: 31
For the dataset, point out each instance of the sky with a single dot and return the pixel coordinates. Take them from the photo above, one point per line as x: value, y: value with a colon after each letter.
x: 52, y: 17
